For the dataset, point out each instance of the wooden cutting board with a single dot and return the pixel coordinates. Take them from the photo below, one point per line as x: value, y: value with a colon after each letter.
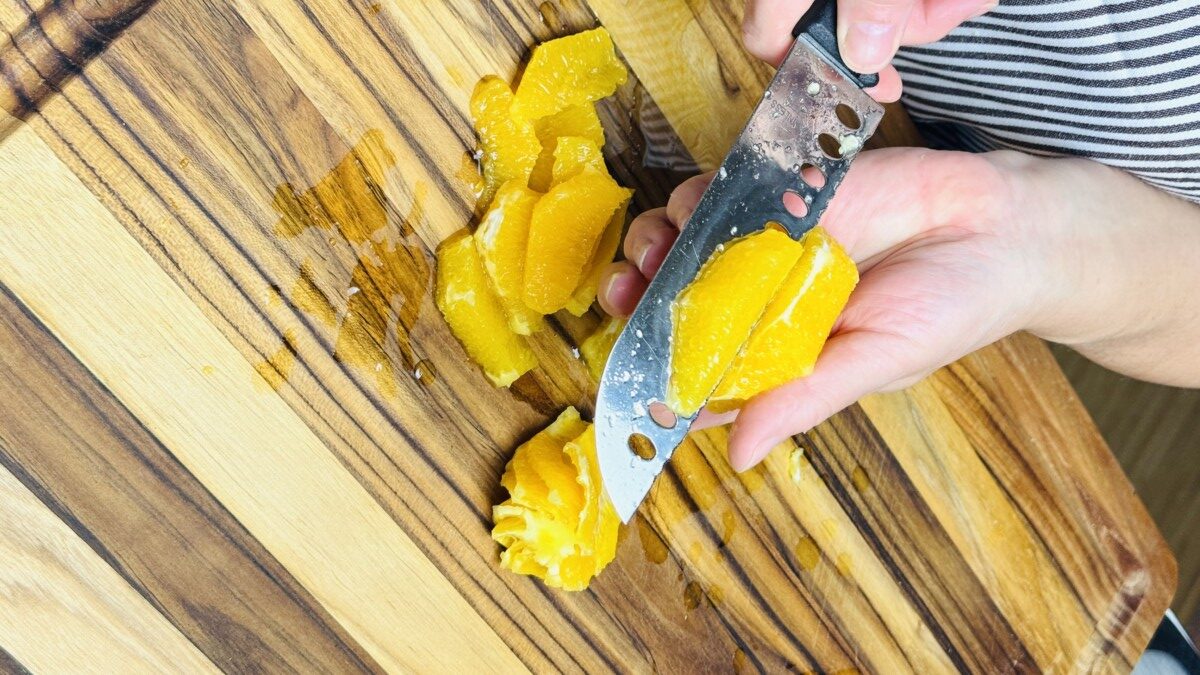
x: 236, y: 434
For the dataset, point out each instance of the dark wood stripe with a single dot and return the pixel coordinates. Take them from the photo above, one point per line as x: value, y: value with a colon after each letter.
x: 69, y: 440
x: 914, y: 547
x: 9, y: 665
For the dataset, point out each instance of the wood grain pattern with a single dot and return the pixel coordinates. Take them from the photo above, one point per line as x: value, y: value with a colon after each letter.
x: 107, y: 478
x: 65, y: 609
x: 224, y: 174
x: 1153, y: 431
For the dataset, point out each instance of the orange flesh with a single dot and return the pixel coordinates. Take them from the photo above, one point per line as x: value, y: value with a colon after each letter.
x: 570, y: 71
x: 501, y: 239
x: 596, y: 348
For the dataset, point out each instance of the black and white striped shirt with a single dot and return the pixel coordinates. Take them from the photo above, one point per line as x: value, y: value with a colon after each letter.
x: 1116, y: 81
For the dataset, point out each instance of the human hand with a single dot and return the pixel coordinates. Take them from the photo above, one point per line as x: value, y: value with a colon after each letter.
x: 945, y: 269
x: 869, y: 31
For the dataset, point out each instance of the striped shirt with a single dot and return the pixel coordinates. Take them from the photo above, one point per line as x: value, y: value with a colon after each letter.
x: 1115, y: 81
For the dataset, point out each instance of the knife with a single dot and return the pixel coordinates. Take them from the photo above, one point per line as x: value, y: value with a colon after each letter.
x: 813, y: 117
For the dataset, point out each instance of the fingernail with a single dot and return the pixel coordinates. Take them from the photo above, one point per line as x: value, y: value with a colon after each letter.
x: 868, y: 45
x: 640, y: 249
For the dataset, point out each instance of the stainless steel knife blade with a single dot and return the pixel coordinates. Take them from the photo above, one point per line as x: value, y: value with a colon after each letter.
x: 795, y: 125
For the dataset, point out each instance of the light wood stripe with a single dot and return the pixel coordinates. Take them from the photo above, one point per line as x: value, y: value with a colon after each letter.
x: 246, y: 446
x: 88, y: 459
x: 65, y: 610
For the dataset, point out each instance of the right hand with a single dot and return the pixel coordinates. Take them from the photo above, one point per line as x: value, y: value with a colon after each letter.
x: 869, y: 31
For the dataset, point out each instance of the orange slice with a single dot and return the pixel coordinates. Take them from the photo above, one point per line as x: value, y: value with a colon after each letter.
x: 596, y: 348
x: 475, y: 315
x: 569, y: 71
x: 585, y: 293
x: 714, y: 315
x: 563, y: 233
x: 501, y: 239
x: 580, y: 121
x: 573, y: 154
x: 557, y: 523
x: 509, y: 145
x: 793, y: 329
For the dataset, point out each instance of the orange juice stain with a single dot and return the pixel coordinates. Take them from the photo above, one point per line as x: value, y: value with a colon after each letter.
x: 693, y: 595
x: 349, y: 198
x: 207, y: 370
x: 456, y: 76
x: 716, y: 595
x: 276, y: 368
x: 753, y: 478
x: 741, y: 662
x: 859, y: 478
x: 310, y: 300
x: 392, y: 285
x: 844, y: 566
x: 184, y: 162
x: 653, y: 547
x: 807, y: 553
x: 374, y: 8
x: 728, y: 526
x: 425, y: 372
x: 468, y: 173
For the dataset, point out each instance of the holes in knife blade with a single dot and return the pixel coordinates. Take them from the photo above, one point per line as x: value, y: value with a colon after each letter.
x: 830, y: 146
x: 847, y: 116
x: 795, y: 204
x: 662, y: 415
x: 642, y: 446
x: 811, y: 173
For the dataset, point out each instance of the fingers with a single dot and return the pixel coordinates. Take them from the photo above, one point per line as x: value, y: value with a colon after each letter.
x: 767, y: 27
x: 684, y: 198
x: 621, y: 286
x: 852, y: 365
x: 889, y: 88
x: 869, y: 31
x: 649, y: 238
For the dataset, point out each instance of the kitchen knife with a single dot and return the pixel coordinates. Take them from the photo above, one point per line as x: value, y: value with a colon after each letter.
x: 813, y: 117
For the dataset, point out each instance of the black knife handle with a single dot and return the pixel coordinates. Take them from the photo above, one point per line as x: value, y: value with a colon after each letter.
x: 819, y: 23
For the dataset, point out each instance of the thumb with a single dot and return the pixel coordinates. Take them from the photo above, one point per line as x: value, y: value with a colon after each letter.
x: 852, y: 365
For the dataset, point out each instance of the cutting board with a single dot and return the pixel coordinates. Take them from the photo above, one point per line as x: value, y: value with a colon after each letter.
x: 236, y: 434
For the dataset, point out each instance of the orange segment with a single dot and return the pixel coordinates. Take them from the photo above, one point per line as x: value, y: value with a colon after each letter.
x: 793, y: 329
x: 501, y: 239
x: 596, y: 348
x: 557, y: 523
x: 465, y: 298
x: 572, y: 155
x: 714, y: 315
x: 509, y: 145
x: 585, y: 293
x: 566, y: 225
x: 580, y: 121
x: 569, y: 71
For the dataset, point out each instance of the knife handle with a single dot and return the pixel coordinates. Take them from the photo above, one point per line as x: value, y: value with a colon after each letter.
x: 819, y: 25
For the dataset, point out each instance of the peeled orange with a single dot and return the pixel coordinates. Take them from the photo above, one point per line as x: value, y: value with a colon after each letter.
x: 580, y: 121
x: 585, y: 293
x: 557, y: 523
x: 475, y: 315
x: 569, y: 71
x: 596, y: 348
x: 713, y: 316
x: 509, y: 145
x: 793, y: 329
x: 501, y: 239
x: 566, y: 226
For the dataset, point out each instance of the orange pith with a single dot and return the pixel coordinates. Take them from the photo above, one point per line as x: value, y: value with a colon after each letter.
x: 570, y: 71
x: 475, y: 315
x: 793, y: 328
x: 563, y: 234
x: 509, y: 145
x: 501, y: 239
x: 596, y: 348
x: 714, y: 315
x: 557, y: 523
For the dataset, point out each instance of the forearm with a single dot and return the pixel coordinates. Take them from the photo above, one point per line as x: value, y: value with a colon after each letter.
x: 1126, y: 291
